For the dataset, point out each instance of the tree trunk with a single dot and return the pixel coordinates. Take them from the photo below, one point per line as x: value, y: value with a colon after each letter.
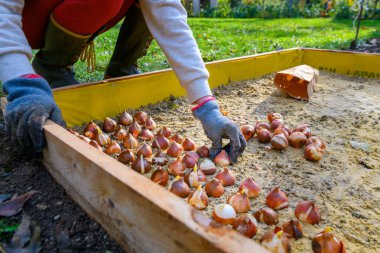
x: 213, y: 3
x: 290, y: 4
x: 196, y: 7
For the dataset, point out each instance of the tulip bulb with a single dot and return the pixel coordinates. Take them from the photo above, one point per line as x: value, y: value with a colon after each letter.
x: 250, y: 187
x: 313, y: 153
x: 303, y: 129
x: 102, y: 138
x: 306, y: 211
x: 120, y: 133
x: 141, y: 165
x: 90, y: 130
x: 195, y: 178
x: 150, y: 124
x: 287, y: 130
x: 145, y: 150
x: 246, y: 225
x: 188, y: 145
x: 261, y: 125
x: 179, y: 187
x: 226, y: 177
x: 161, y: 142
x: 279, y: 142
x: 174, y: 150
x: 160, y: 158
x: 224, y: 213
x: 222, y: 159
x: 207, y: 166
x: 276, y: 124
x: 293, y: 229
x: 140, y: 118
x: 165, y: 131
x: 95, y: 145
x: 125, y: 119
x: 84, y: 138
x: 297, y: 139
x: 263, y: 136
x: 109, y: 125
x: 130, y: 142
x: 267, y: 215
x: 72, y: 131
x: 281, y: 130
x: 276, y: 242
x: 113, y: 148
x: 134, y: 129
x: 203, y: 151
x: 273, y: 116
x: 178, y: 138
x: 248, y: 131
x: 190, y: 159
x: 214, y: 188
x: 146, y: 135
x: 198, y: 199
x: 240, y: 202
x: 160, y: 176
x: 276, y: 199
x: 317, y: 142
x: 126, y: 157
x: 327, y: 242
x: 177, y: 168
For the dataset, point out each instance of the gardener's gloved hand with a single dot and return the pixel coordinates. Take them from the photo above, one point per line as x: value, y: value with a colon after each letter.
x: 217, y: 126
x: 30, y: 103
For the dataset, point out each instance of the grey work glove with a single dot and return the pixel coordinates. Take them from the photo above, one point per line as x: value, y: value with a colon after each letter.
x: 217, y: 127
x: 30, y: 104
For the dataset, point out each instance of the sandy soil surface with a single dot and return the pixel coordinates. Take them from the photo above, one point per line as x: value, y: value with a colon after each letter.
x: 345, y: 184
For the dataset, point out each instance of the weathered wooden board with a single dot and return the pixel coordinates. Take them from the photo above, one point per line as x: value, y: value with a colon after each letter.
x: 140, y: 215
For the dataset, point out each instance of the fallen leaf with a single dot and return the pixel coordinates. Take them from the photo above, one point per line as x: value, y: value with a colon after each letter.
x: 4, y: 197
x: 22, y: 234
x: 14, y: 206
x: 26, y: 239
x: 35, y: 242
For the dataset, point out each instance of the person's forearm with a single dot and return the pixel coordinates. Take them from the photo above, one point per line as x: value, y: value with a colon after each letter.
x: 167, y: 21
x: 14, y: 48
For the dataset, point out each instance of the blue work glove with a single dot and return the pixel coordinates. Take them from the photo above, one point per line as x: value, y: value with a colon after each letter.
x: 217, y: 127
x: 30, y: 103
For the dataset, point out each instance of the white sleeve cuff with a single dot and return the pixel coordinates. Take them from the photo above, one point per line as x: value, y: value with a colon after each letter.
x: 14, y: 65
x: 198, y: 89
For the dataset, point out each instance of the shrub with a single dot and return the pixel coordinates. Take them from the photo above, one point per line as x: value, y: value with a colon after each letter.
x: 342, y: 11
x: 273, y: 9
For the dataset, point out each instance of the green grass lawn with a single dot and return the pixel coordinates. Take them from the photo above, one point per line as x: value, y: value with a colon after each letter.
x: 226, y: 38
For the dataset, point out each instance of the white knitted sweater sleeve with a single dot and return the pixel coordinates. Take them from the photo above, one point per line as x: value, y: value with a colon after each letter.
x: 15, y: 51
x: 167, y: 21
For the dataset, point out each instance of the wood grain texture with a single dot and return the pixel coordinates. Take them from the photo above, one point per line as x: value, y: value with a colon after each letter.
x: 140, y: 215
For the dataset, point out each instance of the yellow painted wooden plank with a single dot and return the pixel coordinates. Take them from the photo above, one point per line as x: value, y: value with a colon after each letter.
x: 344, y: 62
x: 81, y: 103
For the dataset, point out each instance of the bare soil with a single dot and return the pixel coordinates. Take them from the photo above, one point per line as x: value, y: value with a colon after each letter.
x: 345, y: 184
x: 65, y: 228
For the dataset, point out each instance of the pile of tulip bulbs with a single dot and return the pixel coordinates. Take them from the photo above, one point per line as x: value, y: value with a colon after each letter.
x: 176, y: 163
x: 280, y: 136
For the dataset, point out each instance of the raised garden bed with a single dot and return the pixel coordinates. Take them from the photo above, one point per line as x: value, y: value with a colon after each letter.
x: 144, y: 217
